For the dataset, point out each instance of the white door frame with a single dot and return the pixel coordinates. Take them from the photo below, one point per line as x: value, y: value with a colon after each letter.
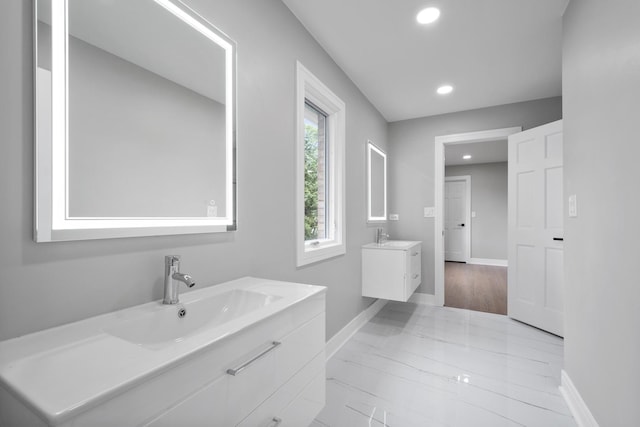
x: 438, y: 231
x: 467, y: 213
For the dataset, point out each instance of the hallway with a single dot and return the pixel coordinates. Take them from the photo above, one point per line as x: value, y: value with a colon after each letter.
x: 476, y: 287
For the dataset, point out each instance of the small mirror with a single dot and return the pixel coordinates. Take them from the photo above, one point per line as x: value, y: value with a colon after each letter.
x: 135, y: 120
x: 376, y: 184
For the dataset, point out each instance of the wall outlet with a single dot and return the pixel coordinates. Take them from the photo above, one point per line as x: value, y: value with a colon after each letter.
x: 394, y: 217
x: 429, y: 212
x: 573, y: 206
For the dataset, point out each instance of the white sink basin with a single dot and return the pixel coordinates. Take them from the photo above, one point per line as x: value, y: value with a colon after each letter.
x: 61, y: 371
x: 172, y: 323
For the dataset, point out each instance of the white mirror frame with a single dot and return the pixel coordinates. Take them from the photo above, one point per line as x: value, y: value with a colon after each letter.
x: 52, y: 221
x: 371, y: 148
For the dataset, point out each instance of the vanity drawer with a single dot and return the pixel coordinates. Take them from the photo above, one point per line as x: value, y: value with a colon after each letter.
x: 206, y: 407
x: 391, y: 272
x: 228, y: 399
x: 384, y: 273
x: 259, y: 380
x: 261, y: 371
x: 199, y: 390
x: 297, y: 402
x: 308, y: 404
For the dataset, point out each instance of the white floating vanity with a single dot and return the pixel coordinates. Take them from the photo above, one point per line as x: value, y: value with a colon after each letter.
x: 249, y: 352
x: 391, y: 270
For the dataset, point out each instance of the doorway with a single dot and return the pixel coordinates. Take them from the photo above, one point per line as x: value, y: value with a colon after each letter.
x: 441, y: 143
x: 475, y: 249
x: 457, y: 227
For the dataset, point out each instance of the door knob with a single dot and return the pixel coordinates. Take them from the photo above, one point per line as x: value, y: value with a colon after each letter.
x: 461, y: 225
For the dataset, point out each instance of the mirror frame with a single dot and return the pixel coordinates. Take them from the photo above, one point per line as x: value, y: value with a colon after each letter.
x: 52, y: 221
x: 371, y: 148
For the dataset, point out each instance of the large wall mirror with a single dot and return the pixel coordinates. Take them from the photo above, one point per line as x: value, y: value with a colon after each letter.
x: 376, y: 184
x: 135, y: 120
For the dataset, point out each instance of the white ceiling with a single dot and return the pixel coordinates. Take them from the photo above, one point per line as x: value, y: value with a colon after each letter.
x: 481, y: 152
x: 493, y: 52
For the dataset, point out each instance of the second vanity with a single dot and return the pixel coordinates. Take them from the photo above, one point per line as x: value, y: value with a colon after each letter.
x: 391, y: 270
x: 249, y: 352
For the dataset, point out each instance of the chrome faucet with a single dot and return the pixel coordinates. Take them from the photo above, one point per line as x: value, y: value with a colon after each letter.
x: 171, y: 274
x: 381, y: 236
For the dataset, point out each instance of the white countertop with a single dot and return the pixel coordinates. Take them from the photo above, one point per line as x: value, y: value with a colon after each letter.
x: 58, y: 370
x: 399, y: 245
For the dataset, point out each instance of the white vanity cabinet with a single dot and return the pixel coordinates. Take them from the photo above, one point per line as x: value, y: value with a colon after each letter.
x: 391, y: 270
x: 263, y: 366
x: 274, y: 374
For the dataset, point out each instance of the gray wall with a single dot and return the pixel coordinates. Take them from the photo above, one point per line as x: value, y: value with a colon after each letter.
x: 489, y: 201
x: 411, y: 163
x: 43, y: 285
x: 601, y: 84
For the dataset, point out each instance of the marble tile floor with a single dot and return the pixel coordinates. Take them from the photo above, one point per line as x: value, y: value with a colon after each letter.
x: 418, y: 365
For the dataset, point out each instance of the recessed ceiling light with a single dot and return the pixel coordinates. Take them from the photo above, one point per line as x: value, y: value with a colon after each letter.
x: 428, y: 15
x: 445, y: 89
x: 466, y: 156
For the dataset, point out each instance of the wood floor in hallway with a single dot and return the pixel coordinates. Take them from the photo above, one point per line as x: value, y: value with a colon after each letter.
x: 476, y: 287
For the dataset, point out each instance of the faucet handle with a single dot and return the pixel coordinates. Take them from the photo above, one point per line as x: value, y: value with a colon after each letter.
x: 172, y: 260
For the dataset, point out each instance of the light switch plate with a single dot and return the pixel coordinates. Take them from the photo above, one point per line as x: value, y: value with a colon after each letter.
x: 394, y: 217
x: 473, y: 214
x: 429, y: 212
x: 573, y: 206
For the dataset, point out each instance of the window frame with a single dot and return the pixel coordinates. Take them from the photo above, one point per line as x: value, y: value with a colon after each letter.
x: 310, y: 88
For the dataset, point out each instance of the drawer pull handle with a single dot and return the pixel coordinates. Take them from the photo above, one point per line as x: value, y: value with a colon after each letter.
x: 414, y: 254
x: 415, y: 276
x: 276, y: 421
x: 242, y: 367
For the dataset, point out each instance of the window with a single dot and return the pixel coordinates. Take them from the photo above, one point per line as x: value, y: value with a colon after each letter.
x: 320, y: 170
x: 316, y: 208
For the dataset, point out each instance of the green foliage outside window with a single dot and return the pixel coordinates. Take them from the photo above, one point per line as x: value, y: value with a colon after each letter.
x: 310, y: 182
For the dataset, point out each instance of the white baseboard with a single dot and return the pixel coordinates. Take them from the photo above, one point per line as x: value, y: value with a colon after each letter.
x: 421, y: 298
x: 339, y: 339
x: 576, y: 405
x: 488, y: 261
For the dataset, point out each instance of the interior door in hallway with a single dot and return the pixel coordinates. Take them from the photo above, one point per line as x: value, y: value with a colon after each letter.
x: 535, y: 272
x: 456, y: 226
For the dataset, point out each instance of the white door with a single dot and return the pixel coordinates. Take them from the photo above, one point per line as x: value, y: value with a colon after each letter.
x: 535, y: 283
x: 456, y: 212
